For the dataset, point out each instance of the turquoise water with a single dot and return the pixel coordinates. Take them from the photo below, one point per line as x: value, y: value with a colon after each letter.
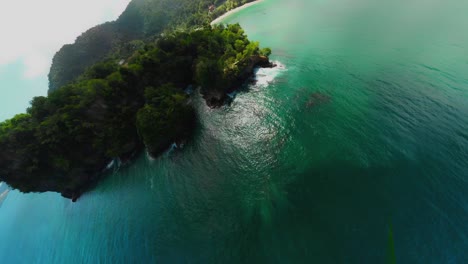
x: 364, y: 126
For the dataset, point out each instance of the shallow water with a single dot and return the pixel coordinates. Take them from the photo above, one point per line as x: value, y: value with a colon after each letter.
x: 362, y: 128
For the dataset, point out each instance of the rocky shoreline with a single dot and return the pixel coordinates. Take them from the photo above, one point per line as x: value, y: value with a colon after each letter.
x: 212, y: 100
x: 90, y: 180
x: 216, y: 99
x: 65, y: 141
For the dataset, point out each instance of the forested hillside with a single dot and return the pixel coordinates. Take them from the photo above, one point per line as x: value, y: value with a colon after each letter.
x: 112, y: 111
x: 142, y: 20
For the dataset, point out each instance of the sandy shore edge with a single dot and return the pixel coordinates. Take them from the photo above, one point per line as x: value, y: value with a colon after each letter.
x: 235, y: 10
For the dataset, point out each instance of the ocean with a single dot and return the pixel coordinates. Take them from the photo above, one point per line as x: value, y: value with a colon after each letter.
x: 353, y: 150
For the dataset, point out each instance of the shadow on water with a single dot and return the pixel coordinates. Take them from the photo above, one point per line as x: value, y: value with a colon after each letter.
x: 320, y: 215
x: 329, y: 216
x: 316, y: 99
x: 342, y: 213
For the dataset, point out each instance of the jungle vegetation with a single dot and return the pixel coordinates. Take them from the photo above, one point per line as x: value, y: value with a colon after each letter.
x: 113, y: 110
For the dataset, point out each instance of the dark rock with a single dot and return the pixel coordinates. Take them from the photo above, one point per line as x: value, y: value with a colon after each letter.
x: 218, y: 98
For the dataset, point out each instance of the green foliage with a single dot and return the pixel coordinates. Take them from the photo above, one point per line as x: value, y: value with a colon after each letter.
x: 142, y: 20
x: 165, y: 118
x: 101, y: 70
x: 228, y: 57
x: 265, y: 52
x: 66, y: 139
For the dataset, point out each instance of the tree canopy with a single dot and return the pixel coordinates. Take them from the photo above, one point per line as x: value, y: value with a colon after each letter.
x: 112, y: 110
x: 142, y: 20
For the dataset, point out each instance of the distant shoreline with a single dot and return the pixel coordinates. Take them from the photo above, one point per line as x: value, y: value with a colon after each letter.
x: 235, y: 10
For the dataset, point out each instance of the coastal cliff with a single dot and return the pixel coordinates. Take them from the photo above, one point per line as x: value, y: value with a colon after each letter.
x: 142, y: 21
x: 217, y: 97
x: 65, y: 141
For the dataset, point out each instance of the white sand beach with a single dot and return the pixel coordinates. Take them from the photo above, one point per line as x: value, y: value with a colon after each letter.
x: 219, y: 19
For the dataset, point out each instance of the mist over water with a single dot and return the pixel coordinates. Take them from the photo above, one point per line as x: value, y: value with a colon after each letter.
x: 364, y: 126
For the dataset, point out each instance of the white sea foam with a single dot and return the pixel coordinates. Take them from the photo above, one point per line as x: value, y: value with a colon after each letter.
x: 265, y: 76
x: 110, y: 165
x: 173, y: 147
x: 114, y: 164
x: 149, y: 157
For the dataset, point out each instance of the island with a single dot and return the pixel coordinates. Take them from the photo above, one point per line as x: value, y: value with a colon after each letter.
x: 142, y: 21
x: 121, y: 105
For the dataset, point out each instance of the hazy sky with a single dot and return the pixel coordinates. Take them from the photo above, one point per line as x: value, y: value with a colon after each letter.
x: 31, y: 32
